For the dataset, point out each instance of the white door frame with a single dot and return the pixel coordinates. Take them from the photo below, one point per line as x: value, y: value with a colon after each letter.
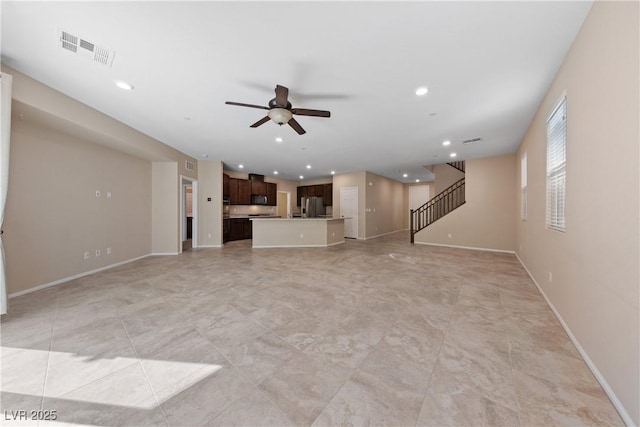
x: 184, y: 182
x: 353, y: 218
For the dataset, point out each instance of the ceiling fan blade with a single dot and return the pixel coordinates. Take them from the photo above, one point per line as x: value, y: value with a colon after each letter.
x: 281, y: 96
x: 296, y: 126
x: 262, y: 121
x: 306, y: 112
x: 240, y: 104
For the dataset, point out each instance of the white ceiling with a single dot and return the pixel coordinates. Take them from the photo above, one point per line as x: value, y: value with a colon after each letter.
x: 487, y: 66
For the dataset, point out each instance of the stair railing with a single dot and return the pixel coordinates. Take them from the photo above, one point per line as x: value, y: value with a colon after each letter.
x: 444, y: 202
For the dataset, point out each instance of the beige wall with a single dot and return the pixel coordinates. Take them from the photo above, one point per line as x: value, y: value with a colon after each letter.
x: 487, y: 219
x: 385, y: 205
x: 445, y: 177
x: 130, y: 154
x: 53, y: 215
x: 594, y: 264
x: 432, y: 193
x: 209, y: 213
x: 386, y: 196
x: 165, y: 208
x: 355, y: 179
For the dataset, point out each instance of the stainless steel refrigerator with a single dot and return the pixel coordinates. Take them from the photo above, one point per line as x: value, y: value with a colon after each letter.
x: 312, y: 207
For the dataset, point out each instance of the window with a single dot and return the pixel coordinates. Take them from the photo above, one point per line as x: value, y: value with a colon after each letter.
x: 557, y: 166
x: 523, y: 187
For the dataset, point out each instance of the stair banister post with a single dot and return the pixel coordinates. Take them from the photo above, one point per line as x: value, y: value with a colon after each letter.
x: 411, y: 225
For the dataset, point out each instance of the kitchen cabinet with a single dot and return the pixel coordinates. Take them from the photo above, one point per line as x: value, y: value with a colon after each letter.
x: 239, y: 191
x: 233, y: 191
x: 327, y: 197
x: 247, y: 228
x: 258, y: 187
x: 225, y: 186
x: 321, y: 190
x: 241, y: 228
x: 302, y: 192
x: 316, y: 190
x: 272, y: 194
x: 244, y: 192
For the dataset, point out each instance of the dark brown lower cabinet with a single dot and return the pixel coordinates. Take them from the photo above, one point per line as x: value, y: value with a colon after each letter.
x: 241, y: 228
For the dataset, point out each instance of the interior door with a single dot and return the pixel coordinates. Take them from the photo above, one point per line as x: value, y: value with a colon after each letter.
x: 349, y: 211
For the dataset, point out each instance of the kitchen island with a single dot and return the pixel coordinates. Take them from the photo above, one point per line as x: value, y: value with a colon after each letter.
x: 297, y: 232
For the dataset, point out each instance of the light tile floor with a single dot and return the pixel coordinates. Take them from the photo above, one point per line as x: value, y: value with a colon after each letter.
x: 374, y: 332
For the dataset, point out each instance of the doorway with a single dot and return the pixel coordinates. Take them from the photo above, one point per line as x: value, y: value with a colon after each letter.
x: 284, y: 207
x: 188, y: 213
x: 349, y: 211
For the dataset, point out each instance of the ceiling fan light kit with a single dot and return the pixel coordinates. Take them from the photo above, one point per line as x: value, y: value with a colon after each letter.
x: 281, y: 111
x: 280, y: 115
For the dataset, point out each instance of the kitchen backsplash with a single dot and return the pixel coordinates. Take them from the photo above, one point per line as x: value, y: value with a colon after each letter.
x: 252, y: 209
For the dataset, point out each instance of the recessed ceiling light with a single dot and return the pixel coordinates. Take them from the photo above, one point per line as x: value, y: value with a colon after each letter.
x: 301, y: 177
x: 123, y: 85
x: 204, y: 156
x: 422, y: 91
x: 404, y: 175
x: 275, y: 172
x: 308, y: 166
x: 241, y: 166
x: 417, y: 180
x: 279, y: 139
x: 452, y: 155
x: 187, y: 118
x: 333, y: 172
x: 445, y: 143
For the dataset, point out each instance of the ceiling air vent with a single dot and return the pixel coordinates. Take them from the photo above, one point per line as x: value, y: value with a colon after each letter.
x: 472, y: 141
x: 85, y: 48
x: 188, y: 165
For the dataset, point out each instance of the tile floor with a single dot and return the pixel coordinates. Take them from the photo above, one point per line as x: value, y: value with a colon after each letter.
x: 372, y: 332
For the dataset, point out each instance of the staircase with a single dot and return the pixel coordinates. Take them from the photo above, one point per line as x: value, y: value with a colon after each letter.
x: 444, y: 202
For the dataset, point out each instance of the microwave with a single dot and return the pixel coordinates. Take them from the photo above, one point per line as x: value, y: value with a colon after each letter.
x: 258, y: 199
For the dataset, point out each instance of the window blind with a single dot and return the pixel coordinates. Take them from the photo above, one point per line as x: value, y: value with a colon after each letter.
x: 523, y: 187
x: 556, y: 167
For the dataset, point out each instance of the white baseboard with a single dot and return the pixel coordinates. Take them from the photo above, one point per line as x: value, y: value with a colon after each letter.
x: 208, y: 246
x: 383, y: 234
x: 594, y: 370
x: 504, y: 251
x: 164, y: 253
x: 75, y: 276
x: 296, y: 246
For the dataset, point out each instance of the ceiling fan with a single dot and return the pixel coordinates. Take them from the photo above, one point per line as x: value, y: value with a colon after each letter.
x: 280, y: 111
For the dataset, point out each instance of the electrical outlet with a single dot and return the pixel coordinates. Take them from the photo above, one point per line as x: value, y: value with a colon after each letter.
x: 108, y: 194
x: 550, y: 277
x: 209, y: 235
x: 87, y: 255
x: 97, y: 252
x: 449, y: 235
x: 108, y: 251
x: 301, y: 236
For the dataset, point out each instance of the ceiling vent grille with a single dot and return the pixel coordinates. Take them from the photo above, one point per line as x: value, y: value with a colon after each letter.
x: 85, y: 48
x: 472, y: 141
x: 188, y: 165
